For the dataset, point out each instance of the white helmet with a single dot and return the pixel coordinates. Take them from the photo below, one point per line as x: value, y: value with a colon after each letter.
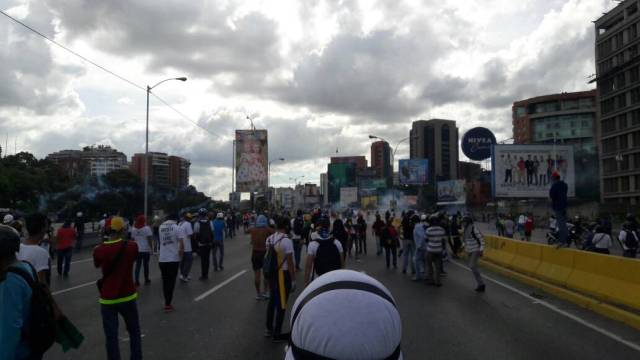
x: 8, y: 219
x: 79, y: 214
x: 220, y: 215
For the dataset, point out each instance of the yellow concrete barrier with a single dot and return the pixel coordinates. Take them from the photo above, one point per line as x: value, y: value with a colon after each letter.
x: 612, y: 279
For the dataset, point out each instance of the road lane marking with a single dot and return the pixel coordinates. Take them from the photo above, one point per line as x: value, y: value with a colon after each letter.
x: 553, y: 308
x: 73, y: 288
x: 217, y: 287
x: 74, y: 262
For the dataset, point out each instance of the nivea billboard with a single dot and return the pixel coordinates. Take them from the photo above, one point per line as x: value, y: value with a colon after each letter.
x: 477, y: 143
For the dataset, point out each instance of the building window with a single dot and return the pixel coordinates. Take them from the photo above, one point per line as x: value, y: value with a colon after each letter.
x: 624, y: 164
x: 621, y: 101
x: 624, y: 183
x: 609, y: 145
x: 609, y: 125
x: 635, y: 95
x: 624, y: 142
x: 635, y: 137
x: 611, y: 185
x: 634, y: 74
x: 521, y: 111
x: 609, y: 165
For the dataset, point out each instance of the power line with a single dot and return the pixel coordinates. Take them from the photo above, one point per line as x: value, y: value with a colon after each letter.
x: 105, y: 70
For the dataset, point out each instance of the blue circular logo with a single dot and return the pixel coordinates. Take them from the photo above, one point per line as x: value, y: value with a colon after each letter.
x: 477, y: 142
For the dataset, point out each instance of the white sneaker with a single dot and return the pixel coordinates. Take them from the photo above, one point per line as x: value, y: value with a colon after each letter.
x: 182, y: 278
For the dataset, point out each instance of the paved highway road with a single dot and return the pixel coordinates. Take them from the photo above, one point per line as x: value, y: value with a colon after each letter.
x: 510, y: 321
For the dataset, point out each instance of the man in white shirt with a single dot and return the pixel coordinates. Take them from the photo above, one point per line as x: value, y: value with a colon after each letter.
x: 171, y: 250
x: 187, y: 258
x: 324, y: 253
x: 31, y: 252
x: 420, y: 240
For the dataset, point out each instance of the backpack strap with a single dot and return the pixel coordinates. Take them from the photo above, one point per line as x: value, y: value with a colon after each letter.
x: 301, y: 354
x: 29, y: 278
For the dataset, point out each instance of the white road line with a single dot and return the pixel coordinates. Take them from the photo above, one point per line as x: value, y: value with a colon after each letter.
x: 217, y: 287
x: 551, y: 307
x: 73, y: 288
x: 74, y: 262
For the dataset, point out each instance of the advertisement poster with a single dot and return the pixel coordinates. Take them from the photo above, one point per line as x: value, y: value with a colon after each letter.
x: 251, y: 160
x: 339, y: 176
x: 451, y: 192
x: 369, y: 202
x: 524, y: 171
x: 348, y: 195
x: 413, y: 171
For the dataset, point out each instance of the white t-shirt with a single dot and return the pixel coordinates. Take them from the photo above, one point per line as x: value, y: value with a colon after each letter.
x: 35, y: 255
x: 187, y: 232
x: 283, y: 244
x: 170, y: 235
x: 313, y: 246
x: 140, y: 237
x: 602, y: 241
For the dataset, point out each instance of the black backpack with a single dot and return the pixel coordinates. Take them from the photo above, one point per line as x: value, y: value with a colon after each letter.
x: 270, y: 265
x: 631, y: 241
x: 42, y: 323
x: 327, y: 257
x: 205, y: 233
x: 298, y: 226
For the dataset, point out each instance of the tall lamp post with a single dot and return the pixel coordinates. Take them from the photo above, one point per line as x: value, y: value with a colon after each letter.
x: 146, y: 146
x: 269, y: 170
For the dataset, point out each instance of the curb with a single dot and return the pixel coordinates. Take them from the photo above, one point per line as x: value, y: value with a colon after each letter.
x: 586, y: 302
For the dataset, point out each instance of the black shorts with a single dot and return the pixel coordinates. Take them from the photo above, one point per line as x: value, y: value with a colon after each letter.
x: 257, y: 259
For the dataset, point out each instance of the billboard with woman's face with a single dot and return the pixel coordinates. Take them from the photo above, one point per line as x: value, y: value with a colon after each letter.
x: 251, y: 160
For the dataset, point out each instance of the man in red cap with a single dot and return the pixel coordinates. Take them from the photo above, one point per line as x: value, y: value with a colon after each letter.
x: 558, y: 195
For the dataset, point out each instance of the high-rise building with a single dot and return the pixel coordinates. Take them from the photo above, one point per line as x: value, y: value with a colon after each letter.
x: 437, y: 141
x: 617, y: 47
x: 178, y: 171
x: 360, y: 162
x: 381, y: 160
x: 563, y: 119
x: 158, y: 167
x: 324, y: 188
x: 99, y: 160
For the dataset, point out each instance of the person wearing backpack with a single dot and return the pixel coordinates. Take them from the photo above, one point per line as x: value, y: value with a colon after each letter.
x: 203, y: 234
x: 601, y: 242
x: 389, y: 238
x: 324, y: 253
x: 259, y: 235
x: 297, y: 227
x: 279, y: 269
x: 474, y: 246
x: 115, y: 258
x: 628, y: 237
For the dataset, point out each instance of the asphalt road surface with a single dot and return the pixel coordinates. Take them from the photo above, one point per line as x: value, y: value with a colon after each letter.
x: 510, y: 321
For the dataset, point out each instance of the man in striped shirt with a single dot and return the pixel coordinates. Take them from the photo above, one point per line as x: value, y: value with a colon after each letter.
x: 474, y: 246
x: 436, y: 236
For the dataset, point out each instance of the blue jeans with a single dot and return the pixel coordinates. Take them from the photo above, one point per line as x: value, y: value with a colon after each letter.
x: 218, y: 246
x: 142, y: 261
x: 407, y: 254
x: 419, y: 259
x: 129, y: 312
x: 561, y: 222
x: 185, y: 264
x: 64, y: 255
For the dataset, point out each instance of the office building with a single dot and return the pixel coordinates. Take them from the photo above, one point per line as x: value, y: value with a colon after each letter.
x: 94, y: 160
x: 381, y: 160
x: 158, y: 167
x: 618, y: 79
x: 437, y: 141
x: 563, y: 119
x: 178, y: 172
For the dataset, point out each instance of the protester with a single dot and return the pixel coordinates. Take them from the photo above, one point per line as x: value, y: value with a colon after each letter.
x: 435, y: 235
x: 474, y: 246
x: 377, y: 227
x: 345, y: 300
x: 31, y: 251
x: 324, y: 253
x: 351, y: 235
x: 528, y: 227
x: 340, y: 233
x: 259, y: 235
x: 65, y: 239
x: 281, y: 279
x: 187, y: 257
x: 522, y: 219
x: 558, y: 195
x: 115, y: 258
x: 297, y: 230
x: 102, y: 227
x: 142, y: 235
x: 601, y: 241
x: 203, y: 234
x: 361, y: 233
x: 389, y: 238
x: 454, y: 234
x: 420, y: 240
x: 79, y: 226
x: 218, y: 242
x: 509, y: 227
x: 408, y: 246
x: 171, y: 251
x: 500, y: 225
x: 628, y: 237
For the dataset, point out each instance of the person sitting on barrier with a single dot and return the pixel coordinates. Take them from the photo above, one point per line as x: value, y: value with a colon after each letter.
x: 345, y: 314
x: 601, y: 241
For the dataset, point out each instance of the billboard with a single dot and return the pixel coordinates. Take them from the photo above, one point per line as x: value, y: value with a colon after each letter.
x: 413, y: 171
x: 477, y: 142
x: 451, y: 192
x: 369, y: 202
x: 373, y: 184
x: 339, y: 176
x: 251, y: 160
x: 524, y: 171
x: 348, y: 195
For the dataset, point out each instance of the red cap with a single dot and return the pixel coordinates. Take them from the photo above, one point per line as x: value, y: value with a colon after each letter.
x: 555, y: 175
x: 140, y: 222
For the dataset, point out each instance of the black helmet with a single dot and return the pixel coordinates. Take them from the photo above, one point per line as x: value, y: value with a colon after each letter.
x: 203, y: 212
x: 467, y: 218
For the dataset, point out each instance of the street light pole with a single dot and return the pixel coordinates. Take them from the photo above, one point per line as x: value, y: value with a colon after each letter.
x: 146, y: 147
x: 269, y: 171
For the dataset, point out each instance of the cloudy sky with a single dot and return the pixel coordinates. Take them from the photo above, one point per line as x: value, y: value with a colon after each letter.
x: 319, y: 75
